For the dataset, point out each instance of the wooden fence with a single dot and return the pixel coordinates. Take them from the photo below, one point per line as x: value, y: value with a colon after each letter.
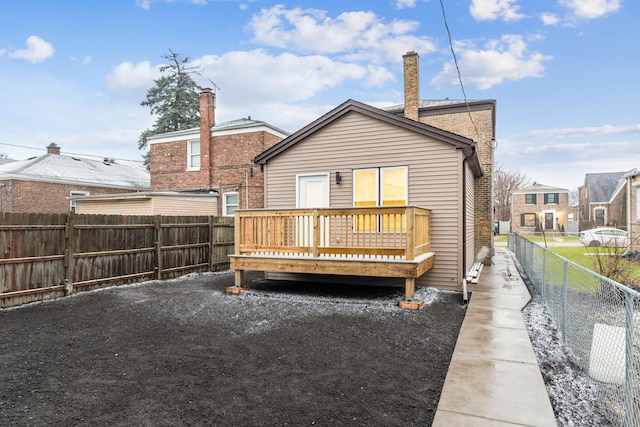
x: 45, y: 256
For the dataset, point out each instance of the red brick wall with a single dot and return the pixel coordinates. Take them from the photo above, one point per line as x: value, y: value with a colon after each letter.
x: 230, y: 167
x: 42, y: 197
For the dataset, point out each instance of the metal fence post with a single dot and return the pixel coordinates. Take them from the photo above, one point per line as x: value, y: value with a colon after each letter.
x: 565, y: 293
x: 629, y: 373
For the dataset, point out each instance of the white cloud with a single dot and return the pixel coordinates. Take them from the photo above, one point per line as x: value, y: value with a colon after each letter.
x: 591, y: 9
x: 354, y: 35
x: 37, y: 50
x: 131, y: 81
x: 247, y: 77
x: 401, y: 4
x: 584, y: 131
x: 506, y: 59
x: 549, y: 19
x: 491, y: 10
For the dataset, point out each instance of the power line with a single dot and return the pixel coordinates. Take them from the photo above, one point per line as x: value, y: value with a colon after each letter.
x: 72, y: 154
x: 455, y: 61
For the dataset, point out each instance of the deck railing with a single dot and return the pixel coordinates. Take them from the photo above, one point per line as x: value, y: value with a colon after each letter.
x: 390, y: 232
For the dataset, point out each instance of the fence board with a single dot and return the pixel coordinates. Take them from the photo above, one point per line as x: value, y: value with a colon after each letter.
x: 49, y: 255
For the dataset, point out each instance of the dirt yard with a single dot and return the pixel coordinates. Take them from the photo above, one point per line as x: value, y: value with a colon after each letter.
x: 182, y: 352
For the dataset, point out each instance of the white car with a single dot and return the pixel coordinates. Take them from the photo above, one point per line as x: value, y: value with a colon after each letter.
x: 604, y: 237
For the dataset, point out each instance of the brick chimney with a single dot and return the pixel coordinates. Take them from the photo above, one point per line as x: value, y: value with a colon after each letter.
x: 207, y: 119
x: 411, y: 85
x: 207, y: 108
x: 53, y: 149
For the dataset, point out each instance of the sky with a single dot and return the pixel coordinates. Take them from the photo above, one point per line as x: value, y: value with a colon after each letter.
x: 564, y: 73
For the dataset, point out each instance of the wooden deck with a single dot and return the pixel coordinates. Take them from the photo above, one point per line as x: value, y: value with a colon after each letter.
x: 389, y: 241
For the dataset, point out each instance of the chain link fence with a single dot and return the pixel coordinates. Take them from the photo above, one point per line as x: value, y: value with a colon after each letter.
x: 597, y: 319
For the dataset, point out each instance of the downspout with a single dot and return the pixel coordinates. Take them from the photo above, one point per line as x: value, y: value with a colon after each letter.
x: 464, y: 226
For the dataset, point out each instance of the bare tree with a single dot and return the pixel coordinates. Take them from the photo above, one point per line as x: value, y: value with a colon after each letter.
x: 505, y: 183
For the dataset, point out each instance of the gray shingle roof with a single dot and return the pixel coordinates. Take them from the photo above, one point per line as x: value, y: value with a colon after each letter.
x: 537, y: 187
x: 76, y: 170
x: 602, y: 186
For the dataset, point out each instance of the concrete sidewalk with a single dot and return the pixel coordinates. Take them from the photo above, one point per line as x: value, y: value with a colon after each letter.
x: 494, y: 378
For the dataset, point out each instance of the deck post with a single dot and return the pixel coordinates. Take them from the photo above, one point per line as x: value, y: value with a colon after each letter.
x: 238, y: 233
x: 409, y: 292
x: 411, y: 233
x: 316, y: 233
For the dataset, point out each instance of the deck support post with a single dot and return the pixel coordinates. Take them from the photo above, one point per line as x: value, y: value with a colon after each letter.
x: 237, y: 288
x: 409, y: 292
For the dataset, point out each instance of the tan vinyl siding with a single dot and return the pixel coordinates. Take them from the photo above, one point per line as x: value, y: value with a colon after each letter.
x: 195, y: 206
x: 356, y: 142
x: 115, y: 207
x: 149, y: 206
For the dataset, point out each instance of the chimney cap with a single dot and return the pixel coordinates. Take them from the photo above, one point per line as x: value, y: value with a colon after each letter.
x: 53, y: 148
x: 206, y: 90
x: 411, y: 53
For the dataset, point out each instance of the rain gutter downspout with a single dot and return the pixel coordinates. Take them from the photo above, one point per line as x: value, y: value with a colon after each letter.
x: 464, y: 222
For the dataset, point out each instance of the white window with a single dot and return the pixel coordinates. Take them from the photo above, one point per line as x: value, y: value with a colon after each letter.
x: 229, y: 203
x: 193, y: 155
x: 72, y: 203
x: 380, y: 187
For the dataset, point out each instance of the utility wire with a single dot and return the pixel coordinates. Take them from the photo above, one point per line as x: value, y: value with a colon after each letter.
x: 455, y: 61
x: 73, y: 154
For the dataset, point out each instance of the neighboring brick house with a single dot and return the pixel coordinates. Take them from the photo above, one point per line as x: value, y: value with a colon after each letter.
x: 214, y: 158
x: 632, y: 179
x: 473, y: 119
x: 539, y: 207
x: 44, y: 184
x: 602, y: 200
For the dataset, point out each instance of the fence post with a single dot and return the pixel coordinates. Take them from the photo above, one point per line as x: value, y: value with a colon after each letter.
x: 629, y: 372
x: 157, y: 225
x: 544, y: 274
x: 565, y: 297
x: 316, y: 233
x: 68, y: 254
x: 211, y: 242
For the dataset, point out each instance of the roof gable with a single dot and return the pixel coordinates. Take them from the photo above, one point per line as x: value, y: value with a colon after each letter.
x: 603, y: 186
x: 457, y: 141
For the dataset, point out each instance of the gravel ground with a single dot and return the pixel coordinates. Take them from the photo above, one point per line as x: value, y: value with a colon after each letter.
x: 182, y: 352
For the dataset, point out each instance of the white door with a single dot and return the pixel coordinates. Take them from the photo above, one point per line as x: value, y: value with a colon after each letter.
x: 312, y: 192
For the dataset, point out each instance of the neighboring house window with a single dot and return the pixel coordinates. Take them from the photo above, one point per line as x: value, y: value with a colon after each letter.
x: 529, y: 199
x: 229, y: 203
x: 193, y: 155
x: 380, y: 187
x: 551, y: 198
x: 528, y: 220
x: 72, y: 203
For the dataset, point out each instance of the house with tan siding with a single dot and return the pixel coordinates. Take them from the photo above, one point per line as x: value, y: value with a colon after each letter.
x: 359, y: 156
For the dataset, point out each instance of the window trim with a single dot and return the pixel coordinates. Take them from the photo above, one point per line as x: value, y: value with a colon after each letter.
x: 191, y: 155
x: 72, y: 203
x: 379, y: 189
x: 556, y: 198
x: 225, y: 204
x: 523, y: 222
